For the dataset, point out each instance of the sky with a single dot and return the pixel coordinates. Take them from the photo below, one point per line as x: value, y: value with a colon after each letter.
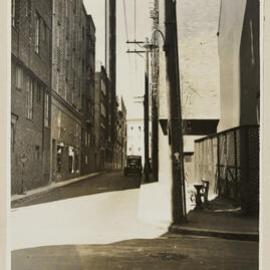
x: 197, y: 50
x: 130, y: 67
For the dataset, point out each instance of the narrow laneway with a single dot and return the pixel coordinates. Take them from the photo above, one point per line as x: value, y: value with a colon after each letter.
x: 103, y: 183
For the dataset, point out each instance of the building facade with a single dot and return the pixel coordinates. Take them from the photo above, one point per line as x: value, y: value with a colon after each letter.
x: 30, y: 94
x: 239, y: 64
x: 88, y: 101
x: 70, y: 88
x: 230, y: 158
x: 102, y: 123
x: 121, y: 137
x: 135, y: 138
x: 199, y: 74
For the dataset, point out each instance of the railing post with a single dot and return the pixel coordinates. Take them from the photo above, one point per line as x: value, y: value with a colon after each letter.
x: 218, y: 165
x: 247, y: 167
x: 236, y: 189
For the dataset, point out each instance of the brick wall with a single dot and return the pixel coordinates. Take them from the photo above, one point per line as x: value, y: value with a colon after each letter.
x: 88, y: 134
x: 30, y: 134
x: 73, y: 58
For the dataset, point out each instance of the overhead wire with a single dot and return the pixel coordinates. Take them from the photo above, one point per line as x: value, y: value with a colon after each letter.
x: 125, y: 18
x: 135, y: 31
x: 127, y: 35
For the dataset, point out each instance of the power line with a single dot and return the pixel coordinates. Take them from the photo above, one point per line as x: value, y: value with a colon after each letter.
x: 125, y: 18
x: 135, y: 19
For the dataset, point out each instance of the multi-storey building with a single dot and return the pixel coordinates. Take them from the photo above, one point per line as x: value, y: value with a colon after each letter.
x: 135, y: 138
x: 229, y: 159
x: 69, y: 81
x: 121, y: 136
x: 110, y: 63
x: 239, y: 64
x: 88, y: 102
x: 199, y: 74
x: 103, y: 138
x: 30, y: 94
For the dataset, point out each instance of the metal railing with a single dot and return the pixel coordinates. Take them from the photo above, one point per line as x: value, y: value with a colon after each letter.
x: 230, y: 161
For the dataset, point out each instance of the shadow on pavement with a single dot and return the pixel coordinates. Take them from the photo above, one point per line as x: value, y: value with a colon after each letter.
x: 114, y: 181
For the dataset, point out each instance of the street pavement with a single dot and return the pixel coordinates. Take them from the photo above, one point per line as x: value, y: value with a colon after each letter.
x: 93, y: 224
x: 168, y: 252
x: 81, y: 217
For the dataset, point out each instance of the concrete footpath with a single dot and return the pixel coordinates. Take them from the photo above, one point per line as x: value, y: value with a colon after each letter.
x: 35, y: 193
x: 220, y: 219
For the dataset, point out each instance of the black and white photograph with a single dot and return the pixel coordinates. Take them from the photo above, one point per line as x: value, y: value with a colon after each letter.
x: 135, y: 134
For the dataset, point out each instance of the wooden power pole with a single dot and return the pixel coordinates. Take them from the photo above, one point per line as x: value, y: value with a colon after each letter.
x: 148, y: 48
x: 175, y: 121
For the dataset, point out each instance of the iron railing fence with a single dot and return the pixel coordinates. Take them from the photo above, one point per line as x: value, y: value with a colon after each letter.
x: 229, y: 160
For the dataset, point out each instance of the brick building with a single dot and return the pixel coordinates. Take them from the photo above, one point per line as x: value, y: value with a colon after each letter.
x: 30, y: 94
x: 121, y: 136
x: 70, y: 87
x: 88, y: 105
x: 102, y: 123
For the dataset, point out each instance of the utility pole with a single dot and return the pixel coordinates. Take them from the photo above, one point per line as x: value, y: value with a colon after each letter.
x: 148, y: 48
x: 110, y: 63
x: 175, y: 121
x: 154, y: 14
x: 146, y: 112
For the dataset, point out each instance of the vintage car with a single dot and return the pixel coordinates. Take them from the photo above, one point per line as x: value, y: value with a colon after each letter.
x: 133, y: 165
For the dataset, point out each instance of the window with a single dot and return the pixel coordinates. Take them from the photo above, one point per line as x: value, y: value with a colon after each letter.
x: 38, y: 92
x: 29, y: 98
x: 46, y: 110
x: 103, y: 110
x: 66, y: 8
x: 86, y: 159
x: 28, y: 8
x: 85, y: 139
x: 103, y: 87
x: 14, y: 13
x: 70, y: 159
x: 13, y: 131
x: 88, y: 138
x: 76, y: 162
x: 37, y: 152
x: 66, y: 89
x: 252, y: 43
x: 74, y: 7
x: 59, y: 158
x: 19, y: 78
x: 57, y: 83
x: 66, y: 51
x: 58, y: 35
x: 43, y: 31
x: 37, y: 32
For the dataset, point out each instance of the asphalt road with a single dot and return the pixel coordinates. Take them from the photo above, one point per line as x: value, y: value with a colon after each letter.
x: 169, y: 252
x: 114, y: 181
